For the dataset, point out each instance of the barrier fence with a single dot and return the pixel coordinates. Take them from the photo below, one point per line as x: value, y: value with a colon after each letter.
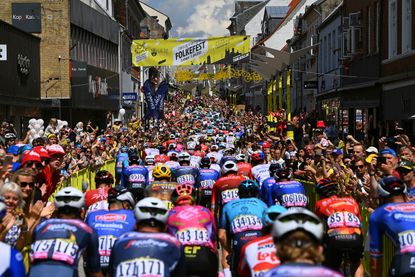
x: 388, y: 247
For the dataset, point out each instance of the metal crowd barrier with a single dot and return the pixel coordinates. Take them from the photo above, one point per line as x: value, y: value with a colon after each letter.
x: 84, y: 178
x: 388, y: 247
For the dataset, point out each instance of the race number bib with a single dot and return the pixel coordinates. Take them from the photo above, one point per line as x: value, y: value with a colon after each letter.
x: 343, y: 219
x: 407, y: 241
x: 55, y: 249
x: 229, y: 195
x: 143, y: 267
x: 294, y: 200
x: 207, y: 184
x: 101, y: 205
x: 193, y: 236
x: 105, y: 244
x: 246, y: 222
x: 136, y: 178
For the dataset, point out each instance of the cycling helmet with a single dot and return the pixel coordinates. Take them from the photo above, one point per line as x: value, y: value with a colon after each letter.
x: 326, y: 187
x: 10, y: 136
x: 120, y: 194
x: 173, y: 155
x: 150, y: 159
x: 205, y: 162
x: 184, y: 194
x: 271, y: 214
x: 390, y: 186
x: 214, y: 147
x: 228, y: 167
x: 172, y: 136
x: 104, y: 177
x: 199, y: 154
x: 274, y: 167
x: 240, y: 157
x: 184, y: 157
x: 265, y: 145
x: 297, y: 219
x: 226, y: 159
x: 248, y: 188
x: 161, y: 172
x: 69, y: 197
x: 24, y: 148
x: 283, y: 173
x: 134, y: 158
x: 152, y: 209
x: 161, y: 158
x: 124, y: 149
x: 257, y: 156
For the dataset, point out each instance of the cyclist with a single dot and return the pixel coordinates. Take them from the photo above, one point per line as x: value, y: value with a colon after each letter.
x: 260, y: 169
x: 259, y: 255
x: 267, y: 185
x: 343, y: 226
x: 394, y: 218
x: 244, y: 168
x: 194, y: 227
x: 241, y: 221
x: 119, y: 164
x: 285, y: 192
x: 172, y: 163
x: 297, y: 234
x: 109, y: 225
x: 186, y: 174
x: 150, y: 161
x: 149, y: 251
x: 96, y: 199
x: 208, y: 177
x: 136, y: 177
x: 58, y: 242
x: 12, y: 260
x: 162, y: 187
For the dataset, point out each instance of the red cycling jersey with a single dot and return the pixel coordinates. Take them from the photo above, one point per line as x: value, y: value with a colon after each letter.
x: 245, y: 169
x: 225, y: 190
x: 342, y: 214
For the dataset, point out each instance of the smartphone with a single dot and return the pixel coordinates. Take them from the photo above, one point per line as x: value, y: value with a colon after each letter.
x: 381, y: 160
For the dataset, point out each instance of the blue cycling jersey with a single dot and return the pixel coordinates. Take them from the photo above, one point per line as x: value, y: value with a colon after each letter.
x: 301, y: 269
x: 135, y: 177
x: 242, y: 215
x: 187, y: 175
x: 60, y: 242
x: 147, y: 254
x: 288, y: 194
x: 109, y: 225
x: 121, y: 157
x: 208, y: 178
x: 11, y: 264
x: 397, y: 221
x: 266, y: 188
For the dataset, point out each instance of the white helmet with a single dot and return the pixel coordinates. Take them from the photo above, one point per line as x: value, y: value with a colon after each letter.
x: 297, y: 219
x: 240, y: 157
x: 151, y: 208
x: 120, y: 194
x: 150, y: 159
x: 229, y: 166
x: 70, y: 197
x: 184, y: 157
x: 172, y: 136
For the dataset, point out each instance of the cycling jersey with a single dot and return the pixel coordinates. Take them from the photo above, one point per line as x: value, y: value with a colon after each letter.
x: 173, y: 165
x: 225, y: 190
x: 109, y: 225
x: 96, y: 199
x: 162, y: 191
x: 187, y: 175
x: 245, y: 169
x: 288, y: 194
x: 147, y: 254
x: 261, y: 172
x: 341, y: 214
x: 266, y: 191
x: 192, y: 225
x: 12, y: 261
x: 119, y: 160
x: 195, y: 161
x: 208, y: 177
x: 397, y: 221
x: 136, y: 179
x: 301, y: 269
x: 257, y: 257
x: 150, y: 172
x: 59, y: 243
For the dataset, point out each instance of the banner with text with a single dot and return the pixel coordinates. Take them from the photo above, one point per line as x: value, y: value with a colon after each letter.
x: 189, y: 51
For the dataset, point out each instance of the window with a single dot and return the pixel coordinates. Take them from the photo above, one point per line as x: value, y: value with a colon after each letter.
x: 369, y: 30
x: 329, y: 52
x: 392, y: 29
x: 406, y: 25
x: 333, y: 45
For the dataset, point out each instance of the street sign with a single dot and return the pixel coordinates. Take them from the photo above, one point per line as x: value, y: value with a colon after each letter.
x: 310, y: 84
x: 3, y: 52
x: 129, y: 96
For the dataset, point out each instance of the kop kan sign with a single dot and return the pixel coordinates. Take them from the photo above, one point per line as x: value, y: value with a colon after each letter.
x: 27, y: 17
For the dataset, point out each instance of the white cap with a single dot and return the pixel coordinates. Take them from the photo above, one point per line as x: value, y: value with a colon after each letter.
x: 372, y: 149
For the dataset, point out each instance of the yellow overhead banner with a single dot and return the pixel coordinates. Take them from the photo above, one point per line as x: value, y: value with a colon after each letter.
x: 190, y: 51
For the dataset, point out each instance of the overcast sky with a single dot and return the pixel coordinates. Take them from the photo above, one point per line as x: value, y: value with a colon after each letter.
x: 196, y: 18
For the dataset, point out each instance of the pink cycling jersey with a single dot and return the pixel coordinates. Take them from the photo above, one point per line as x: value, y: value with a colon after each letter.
x: 192, y: 225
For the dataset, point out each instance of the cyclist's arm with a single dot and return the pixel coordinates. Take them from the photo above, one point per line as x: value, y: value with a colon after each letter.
x: 376, y: 246
x: 16, y: 264
x: 222, y: 233
x: 180, y: 269
x: 92, y: 261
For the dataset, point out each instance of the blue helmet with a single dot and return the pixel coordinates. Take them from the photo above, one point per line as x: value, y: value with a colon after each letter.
x: 24, y: 148
x: 124, y: 149
x: 271, y: 214
x: 248, y: 188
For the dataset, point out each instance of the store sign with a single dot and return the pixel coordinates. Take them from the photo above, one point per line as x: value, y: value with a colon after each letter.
x: 79, y: 69
x: 27, y: 17
x: 98, y: 86
x: 3, y: 52
x: 310, y: 84
x: 129, y: 96
x: 23, y: 64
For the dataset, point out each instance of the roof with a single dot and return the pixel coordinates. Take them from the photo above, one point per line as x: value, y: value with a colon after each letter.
x: 292, y: 7
x: 245, y: 16
x: 276, y: 11
x: 167, y: 22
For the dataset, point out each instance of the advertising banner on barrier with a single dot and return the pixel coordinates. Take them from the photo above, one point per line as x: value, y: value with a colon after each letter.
x: 190, y: 51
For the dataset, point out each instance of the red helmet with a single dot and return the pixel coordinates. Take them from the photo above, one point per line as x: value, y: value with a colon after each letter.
x: 257, y: 156
x: 266, y: 144
x: 161, y: 158
x: 103, y: 177
x: 199, y: 154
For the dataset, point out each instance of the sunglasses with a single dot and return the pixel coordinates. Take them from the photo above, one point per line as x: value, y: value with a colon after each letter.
x: 67, y: 199
x: 25, y: 184
x: 153, y: 210
x: 360, y: 166
x: 31, y: 163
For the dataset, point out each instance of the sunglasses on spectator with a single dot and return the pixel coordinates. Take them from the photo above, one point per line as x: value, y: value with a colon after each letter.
x: 31, y: 163
x: 25, y: 184
x: 360, y: 166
